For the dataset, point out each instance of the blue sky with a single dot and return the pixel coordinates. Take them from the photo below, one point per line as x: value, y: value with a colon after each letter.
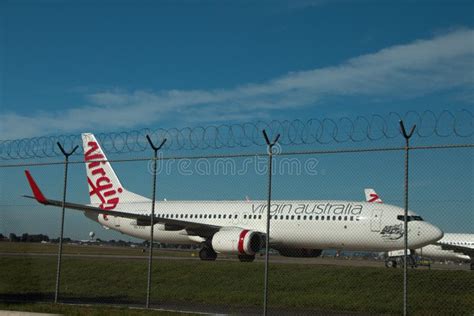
x: 75, y: 66
x: 71, y: 66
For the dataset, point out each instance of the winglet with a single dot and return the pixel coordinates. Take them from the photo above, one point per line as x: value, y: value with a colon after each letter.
x: 34, y: 187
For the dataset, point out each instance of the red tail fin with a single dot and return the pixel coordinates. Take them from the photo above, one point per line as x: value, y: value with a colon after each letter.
x: 34, y: 187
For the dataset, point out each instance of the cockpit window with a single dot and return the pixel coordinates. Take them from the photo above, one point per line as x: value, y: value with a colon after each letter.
x: 410, y: 218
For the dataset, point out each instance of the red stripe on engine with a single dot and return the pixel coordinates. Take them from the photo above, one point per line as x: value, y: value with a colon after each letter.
x: 240, y: 244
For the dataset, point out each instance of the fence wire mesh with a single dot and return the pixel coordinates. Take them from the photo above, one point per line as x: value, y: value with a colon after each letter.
x: 329, y: 250
x: 318, y: 131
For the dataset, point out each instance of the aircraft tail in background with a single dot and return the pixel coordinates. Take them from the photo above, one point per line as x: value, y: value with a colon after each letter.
x: 371, y: 196
x: 105, y: 188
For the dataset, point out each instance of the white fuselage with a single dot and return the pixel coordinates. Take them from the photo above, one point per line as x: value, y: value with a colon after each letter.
x: 295, y: 224
x: 435, y: 251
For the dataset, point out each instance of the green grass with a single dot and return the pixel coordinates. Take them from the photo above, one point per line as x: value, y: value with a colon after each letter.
x: 77, y: 310
x: 292, y: 286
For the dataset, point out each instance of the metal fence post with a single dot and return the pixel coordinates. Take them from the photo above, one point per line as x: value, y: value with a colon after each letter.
x: 60, y: 249
x: 267, y: 235
x: 152, y: 217
x: 407, y: 137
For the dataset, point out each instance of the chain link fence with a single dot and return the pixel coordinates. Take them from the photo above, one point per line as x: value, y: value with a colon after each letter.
x: 333, y: 248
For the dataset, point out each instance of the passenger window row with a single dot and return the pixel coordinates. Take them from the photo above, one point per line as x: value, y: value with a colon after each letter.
x: 316, y: 218
x: 254, y: 216
x: 273, y: 217
x: 459, y: 243
x: 196, y: 216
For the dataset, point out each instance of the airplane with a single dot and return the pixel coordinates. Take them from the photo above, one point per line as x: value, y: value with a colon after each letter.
x: 299, y: 228
x: 452, y: 246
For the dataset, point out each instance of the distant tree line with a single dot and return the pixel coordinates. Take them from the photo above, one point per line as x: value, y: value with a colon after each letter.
x: 40, y: 237
x: 121, y: 243
x: 26, y: 238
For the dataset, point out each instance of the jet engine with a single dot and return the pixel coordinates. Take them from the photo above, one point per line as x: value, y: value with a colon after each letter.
x: 241, y: 242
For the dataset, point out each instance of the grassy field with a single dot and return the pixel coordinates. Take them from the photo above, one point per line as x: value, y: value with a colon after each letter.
x: 76, y: 310
x: 233, y: 284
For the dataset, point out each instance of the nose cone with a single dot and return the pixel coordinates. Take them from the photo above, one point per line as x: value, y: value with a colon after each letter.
x: 439, y: 233
x: 430, y: 234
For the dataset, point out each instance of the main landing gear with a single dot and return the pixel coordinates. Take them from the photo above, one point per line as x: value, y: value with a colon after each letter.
x: 246, y: 258
x: 207, y: 253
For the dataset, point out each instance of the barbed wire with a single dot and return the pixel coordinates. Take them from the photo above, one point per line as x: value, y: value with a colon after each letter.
x: 293, y: 132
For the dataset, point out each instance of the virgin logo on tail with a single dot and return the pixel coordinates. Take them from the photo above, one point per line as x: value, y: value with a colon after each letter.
x: 371, y: 196
x: 100, y: 184
x: 374, y: 198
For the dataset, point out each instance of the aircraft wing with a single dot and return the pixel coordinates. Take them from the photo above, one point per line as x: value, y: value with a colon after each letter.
x: 456, y: 248
x: 144, y: 219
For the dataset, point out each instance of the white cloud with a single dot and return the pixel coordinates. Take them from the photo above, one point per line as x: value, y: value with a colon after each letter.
x: 418, y: 68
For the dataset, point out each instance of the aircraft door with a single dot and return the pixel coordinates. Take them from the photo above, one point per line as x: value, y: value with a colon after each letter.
x: 376, y: 220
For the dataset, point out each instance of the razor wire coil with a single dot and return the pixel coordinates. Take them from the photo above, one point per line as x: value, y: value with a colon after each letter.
x: 293, y: 132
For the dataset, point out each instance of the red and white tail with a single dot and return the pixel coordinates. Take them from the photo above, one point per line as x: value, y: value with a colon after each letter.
x: 105, y: 189
x: 372, y: 197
